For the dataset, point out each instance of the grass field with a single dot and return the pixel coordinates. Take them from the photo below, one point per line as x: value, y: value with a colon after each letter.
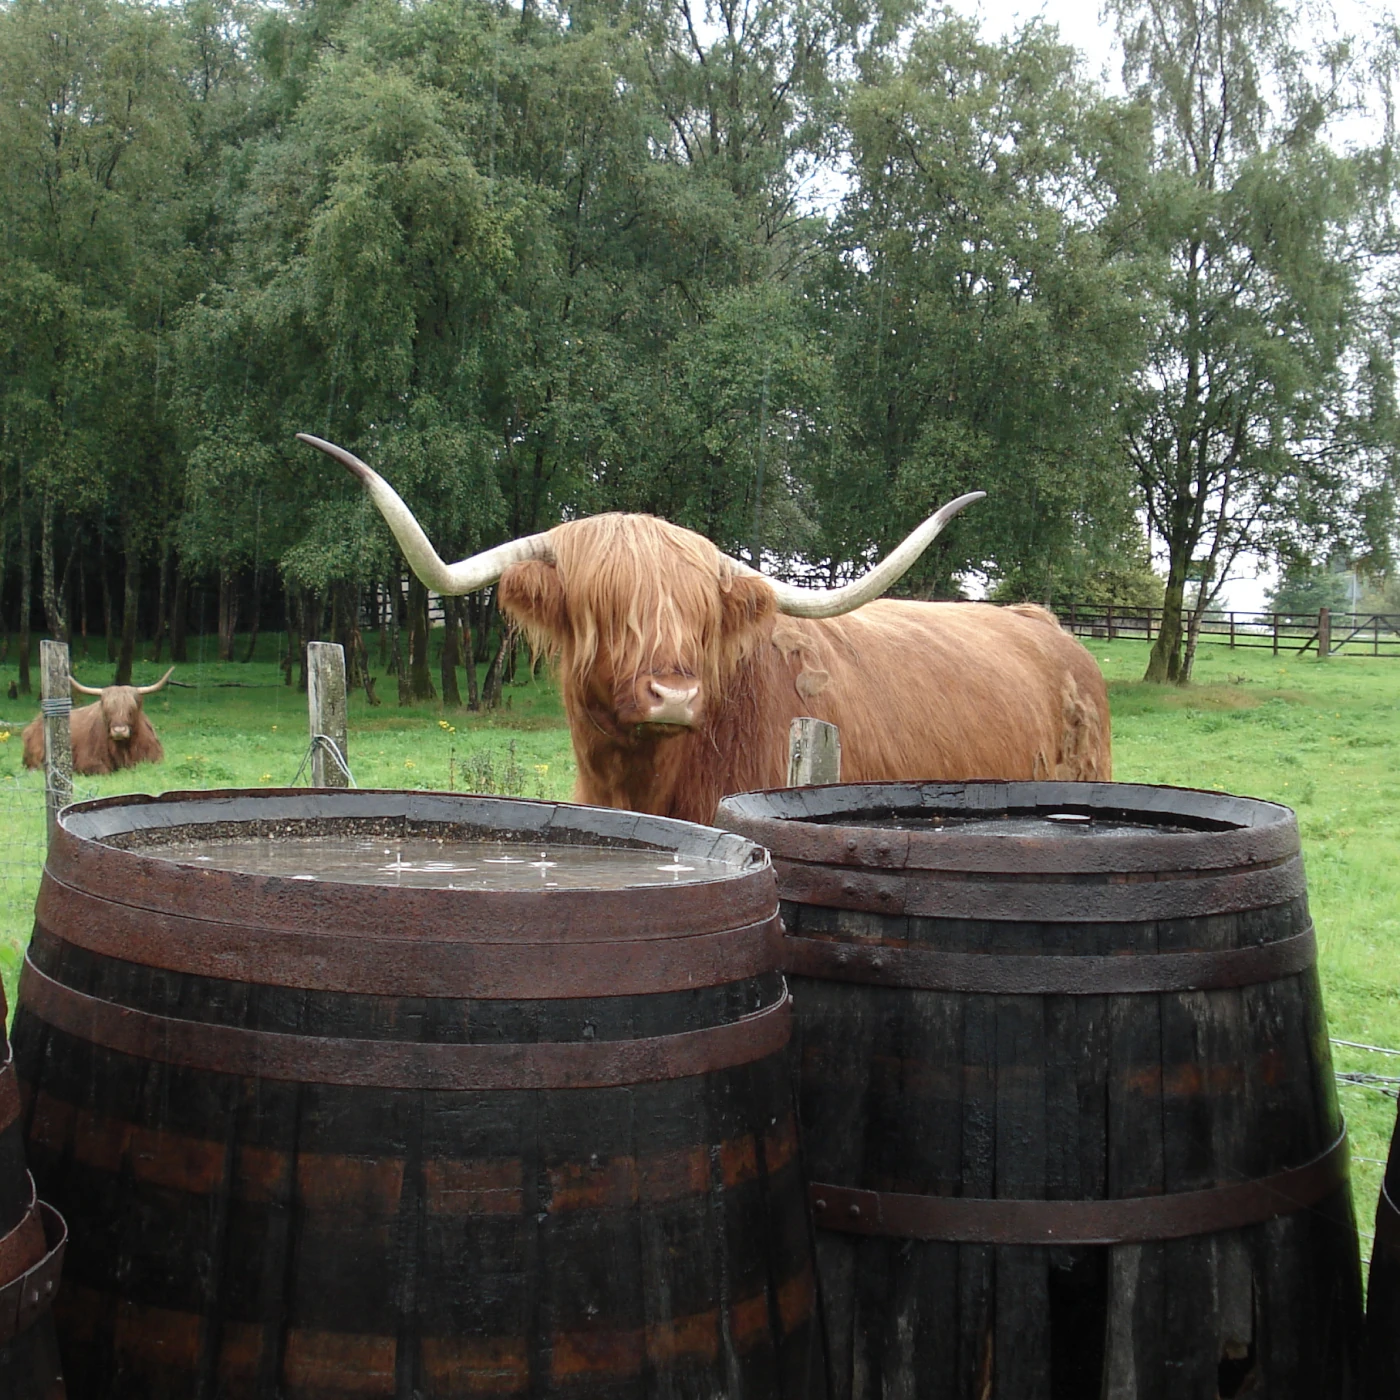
x: 1324, y: 738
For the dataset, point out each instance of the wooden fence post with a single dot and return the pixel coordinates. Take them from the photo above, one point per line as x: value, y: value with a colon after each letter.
x: 56, y: 704
x: 325, y: 698
x: 1274, y: 618
x: 814, y: 752
x: 1324, y: 633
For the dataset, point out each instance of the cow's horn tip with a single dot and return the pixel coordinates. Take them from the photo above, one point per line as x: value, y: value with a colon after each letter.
x: 346, y: 459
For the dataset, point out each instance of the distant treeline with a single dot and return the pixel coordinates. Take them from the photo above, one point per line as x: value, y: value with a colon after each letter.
x: 788, y: 272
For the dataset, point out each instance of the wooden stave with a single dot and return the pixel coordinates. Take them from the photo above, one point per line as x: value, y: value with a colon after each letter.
x: 1120, y: 1023
x: 1383, y: 1286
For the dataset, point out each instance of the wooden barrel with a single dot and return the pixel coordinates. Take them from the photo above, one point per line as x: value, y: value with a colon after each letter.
x: 32, y: 1241
x: 1383, y: 1287
x: 318, y: 1139
x: 1066, y: 1092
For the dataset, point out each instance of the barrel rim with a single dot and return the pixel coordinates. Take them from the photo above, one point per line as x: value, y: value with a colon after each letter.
x: 804, y: 824
x: 80, y: 859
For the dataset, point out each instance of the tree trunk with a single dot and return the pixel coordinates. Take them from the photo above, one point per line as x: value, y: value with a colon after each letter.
x: 228, y: 612
x: 293, y: 637
x: 451, y: 634
x: 310, y: 630
x: 381, y: 619
x: 395, y: 646
x: 1164, y: 664
x: 131, y: 597
x: 53, y: 597
x: 420, y: 676
x: 82, y: 606
x: 162, y: 602
x: 26, y: 599
x: 107, y: 609
x: 1193, y: 632
x: 484, y: 620
x: 468, y: 655
x: 491, y: 686
x: 179, y: 615
x: 255, y: 620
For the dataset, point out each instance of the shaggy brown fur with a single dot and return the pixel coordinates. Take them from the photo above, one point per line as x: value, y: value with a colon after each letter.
x: 919, y: 690
x: 95, y: 748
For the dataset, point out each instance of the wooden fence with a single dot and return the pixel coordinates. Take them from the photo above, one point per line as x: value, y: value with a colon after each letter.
x: 1340, y: 633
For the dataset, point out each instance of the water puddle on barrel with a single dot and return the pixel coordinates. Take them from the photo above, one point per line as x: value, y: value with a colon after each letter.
x: 421, y: 862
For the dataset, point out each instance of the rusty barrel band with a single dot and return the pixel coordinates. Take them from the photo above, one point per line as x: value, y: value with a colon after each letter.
x: 9, y: 1089
x: 455, y: 966
x: 1127, y: 1220
x: 1021, y: 897
x: 19, y: 1246
x: 1035, y: 974
x: 24, y: 1299
x: 1387, y: 1221
x: 391, y: 1064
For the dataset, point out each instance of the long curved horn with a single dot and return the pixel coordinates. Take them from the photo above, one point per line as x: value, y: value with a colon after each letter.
x: 832, y: 602
x: 84, y: 689
x: 159, y: 685
x: 423, y: 559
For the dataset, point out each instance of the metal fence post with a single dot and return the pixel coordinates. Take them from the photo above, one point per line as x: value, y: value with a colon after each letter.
x: 814, y: 752
x: 56, y: 704
x: 325, y: 699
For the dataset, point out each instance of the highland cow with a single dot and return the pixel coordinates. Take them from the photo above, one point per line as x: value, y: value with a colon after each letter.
x: 114, y: 733
x: 682, y: 668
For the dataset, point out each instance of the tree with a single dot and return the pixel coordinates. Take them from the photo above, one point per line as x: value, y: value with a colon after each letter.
x: 1253, y: 421
x: 984, y: 326
x: 1303, y: 589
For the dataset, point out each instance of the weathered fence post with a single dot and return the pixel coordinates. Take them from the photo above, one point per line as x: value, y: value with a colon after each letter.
x: 814, y: 752
x: 325, y: 698
x: 1232, y: 631
x: 56, y: 704
x: 1324, y: 633
x: 1274, y: 617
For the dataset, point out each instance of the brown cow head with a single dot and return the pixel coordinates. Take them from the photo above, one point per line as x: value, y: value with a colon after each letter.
x: 121, y: 705
x: 646, y: 619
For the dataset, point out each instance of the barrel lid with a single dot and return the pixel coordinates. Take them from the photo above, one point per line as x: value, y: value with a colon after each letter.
x: 118, y: 848
x: 1025, y: 828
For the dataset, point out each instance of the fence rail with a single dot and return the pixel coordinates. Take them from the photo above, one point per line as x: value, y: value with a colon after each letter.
x: 1342, y: 633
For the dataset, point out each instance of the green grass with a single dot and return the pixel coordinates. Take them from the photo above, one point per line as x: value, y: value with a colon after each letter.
x: 1324, y: 738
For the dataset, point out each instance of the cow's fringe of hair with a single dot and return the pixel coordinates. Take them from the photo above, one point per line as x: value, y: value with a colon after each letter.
x: 665, y: 574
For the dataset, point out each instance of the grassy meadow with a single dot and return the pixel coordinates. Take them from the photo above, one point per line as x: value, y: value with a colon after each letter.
x: 1324, y: 738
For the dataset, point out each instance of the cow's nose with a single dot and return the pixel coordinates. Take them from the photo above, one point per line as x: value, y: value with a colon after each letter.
x: 121, y: 731
x: 672, y: 704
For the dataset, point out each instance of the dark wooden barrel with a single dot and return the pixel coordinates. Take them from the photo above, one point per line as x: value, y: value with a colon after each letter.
x: 1066, y: 1092
x: 1383, y: 1287
x: 319, y: 1139
x: 32, y: 1241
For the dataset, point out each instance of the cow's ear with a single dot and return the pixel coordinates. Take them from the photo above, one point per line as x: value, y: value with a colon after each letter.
x: 532, y: 595
x: 745, y: 602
